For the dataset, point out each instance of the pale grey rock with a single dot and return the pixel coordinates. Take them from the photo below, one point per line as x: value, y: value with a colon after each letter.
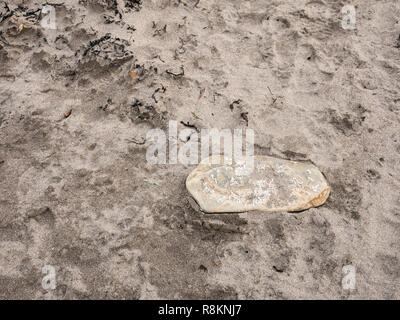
x: 270, y: 184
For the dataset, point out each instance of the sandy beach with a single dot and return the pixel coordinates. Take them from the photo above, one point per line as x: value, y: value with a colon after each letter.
x: 80, y: 90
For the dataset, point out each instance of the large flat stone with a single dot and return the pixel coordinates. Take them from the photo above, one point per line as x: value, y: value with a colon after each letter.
x: 273, y: 185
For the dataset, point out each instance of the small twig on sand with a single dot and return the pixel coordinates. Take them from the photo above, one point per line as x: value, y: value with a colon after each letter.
x: 273, y: 96
x: 182, y: 73
x: 137, y: 142
x: 189, y: 125
x: 245, y: 117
